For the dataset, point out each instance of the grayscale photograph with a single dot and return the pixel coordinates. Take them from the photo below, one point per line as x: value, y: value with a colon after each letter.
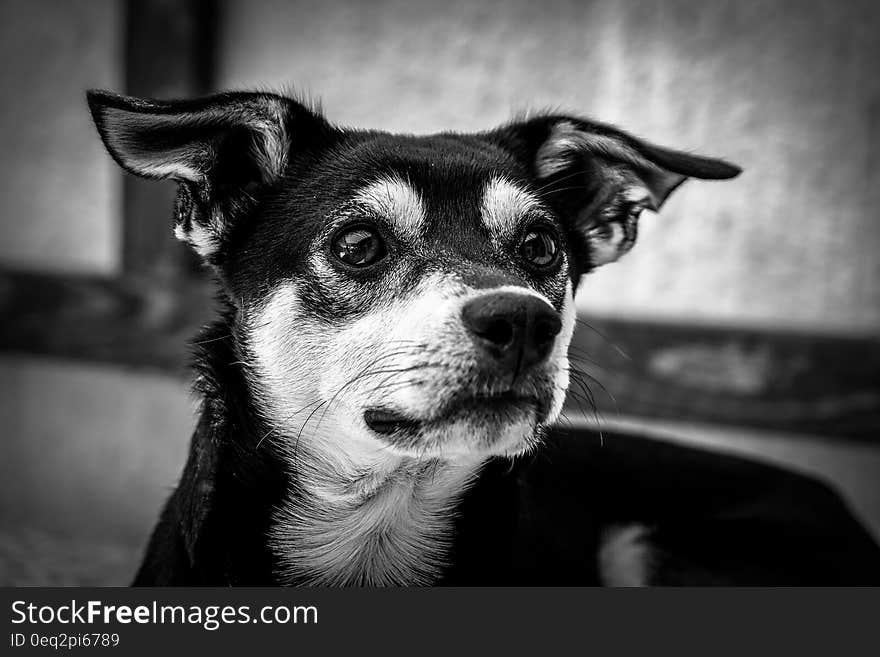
x: 408, y: 293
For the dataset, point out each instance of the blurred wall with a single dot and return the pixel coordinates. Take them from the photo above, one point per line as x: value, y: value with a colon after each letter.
x: 787, y: 88
x: 60, y: 192
x: 88, y: 449
x: 84, y: 451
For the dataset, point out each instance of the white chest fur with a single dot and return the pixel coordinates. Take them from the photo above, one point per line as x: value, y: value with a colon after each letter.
x: 387, y: 529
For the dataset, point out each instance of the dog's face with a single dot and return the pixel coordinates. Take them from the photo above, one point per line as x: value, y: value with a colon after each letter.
x: 398, y: 294
x: 423, y: 300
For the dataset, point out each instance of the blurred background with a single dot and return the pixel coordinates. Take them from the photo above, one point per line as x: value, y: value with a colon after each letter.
x: 746, y: 319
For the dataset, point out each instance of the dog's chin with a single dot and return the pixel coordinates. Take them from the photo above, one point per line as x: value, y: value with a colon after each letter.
x: 501, y: 425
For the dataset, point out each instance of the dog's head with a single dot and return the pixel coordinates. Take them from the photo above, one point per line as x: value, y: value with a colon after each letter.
x: 395, y: 293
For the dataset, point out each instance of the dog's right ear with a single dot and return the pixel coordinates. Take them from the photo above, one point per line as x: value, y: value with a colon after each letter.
x: 599, y: 178
x: 220, y: 149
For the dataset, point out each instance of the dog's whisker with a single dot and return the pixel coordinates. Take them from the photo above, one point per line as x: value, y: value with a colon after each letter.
x: 210, y: 340
x: 611, y: 343
x: 286, y: 419
x: 577, y: 373
x: 556, y: 181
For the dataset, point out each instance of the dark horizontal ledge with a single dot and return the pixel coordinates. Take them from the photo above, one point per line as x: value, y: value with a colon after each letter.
x: 129, y: 321
x: 795, y: 382
x: 775, y: 380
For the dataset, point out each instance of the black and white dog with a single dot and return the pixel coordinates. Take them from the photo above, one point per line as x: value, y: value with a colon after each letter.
x: 379, y: 390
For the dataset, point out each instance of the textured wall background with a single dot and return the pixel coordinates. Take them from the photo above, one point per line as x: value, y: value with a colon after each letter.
x: 787, y: 88
x: 60, y: 192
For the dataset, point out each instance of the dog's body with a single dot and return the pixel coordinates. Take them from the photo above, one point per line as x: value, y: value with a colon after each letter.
x: 379, y: 393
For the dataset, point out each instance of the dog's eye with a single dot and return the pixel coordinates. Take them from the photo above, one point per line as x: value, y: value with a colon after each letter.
x: 539, y: 247
x: 359, y: 247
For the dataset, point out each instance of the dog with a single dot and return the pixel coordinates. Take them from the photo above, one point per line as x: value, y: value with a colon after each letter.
x: 380, y: 389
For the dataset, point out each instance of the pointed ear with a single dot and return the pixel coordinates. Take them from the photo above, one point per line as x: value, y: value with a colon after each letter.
x: 220, y: 149
x: 600, y: 179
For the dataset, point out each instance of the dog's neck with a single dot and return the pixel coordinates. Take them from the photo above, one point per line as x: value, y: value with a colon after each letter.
x: 390, y: 524
x: 365, y: 517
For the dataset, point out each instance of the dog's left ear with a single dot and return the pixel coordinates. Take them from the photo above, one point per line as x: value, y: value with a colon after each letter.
x: 599, y: 178
x: 221, y: 150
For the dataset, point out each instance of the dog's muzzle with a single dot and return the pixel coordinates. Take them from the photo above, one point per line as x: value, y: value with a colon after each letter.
x: 513, y: 336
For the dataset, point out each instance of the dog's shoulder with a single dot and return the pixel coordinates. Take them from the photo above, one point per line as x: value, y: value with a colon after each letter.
x: 622, y: 509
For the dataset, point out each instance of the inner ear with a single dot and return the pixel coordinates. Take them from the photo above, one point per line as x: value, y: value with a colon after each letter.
x: 238, y: 161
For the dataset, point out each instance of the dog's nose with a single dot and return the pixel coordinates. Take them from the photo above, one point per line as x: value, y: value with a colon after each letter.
x: 515, y: 330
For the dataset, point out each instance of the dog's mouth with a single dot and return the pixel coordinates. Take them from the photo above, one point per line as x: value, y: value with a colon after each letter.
x: 389, y: 422
x: 492, y: 406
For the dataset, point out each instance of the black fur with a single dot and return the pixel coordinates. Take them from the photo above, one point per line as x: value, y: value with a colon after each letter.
x: 538, y: 520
